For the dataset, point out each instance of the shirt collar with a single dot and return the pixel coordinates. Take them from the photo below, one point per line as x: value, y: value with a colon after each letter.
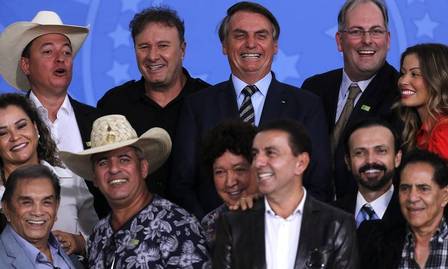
x: 346, y: 82
x: 298, y: 210
x: 262, y: 84
x: 30, y: 249
x: 66, y: 106
x: 379, y: 205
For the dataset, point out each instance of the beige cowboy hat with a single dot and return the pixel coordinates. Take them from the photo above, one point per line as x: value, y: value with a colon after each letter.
x: 113, y: 132
x: 18, y: 35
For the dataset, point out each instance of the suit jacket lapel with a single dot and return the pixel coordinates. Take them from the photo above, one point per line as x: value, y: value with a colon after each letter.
x: 274, y: 102
x: 309, y: 218
x: 226, y: 101
x: 259, y: 249
x: 332, y: 98
x: 13, y: 250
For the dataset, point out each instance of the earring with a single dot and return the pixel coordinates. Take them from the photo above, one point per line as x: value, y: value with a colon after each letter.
x: 38, y: 136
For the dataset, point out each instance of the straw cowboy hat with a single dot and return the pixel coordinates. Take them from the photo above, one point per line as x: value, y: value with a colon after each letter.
x: 113, y: 132
x: 18, y: 35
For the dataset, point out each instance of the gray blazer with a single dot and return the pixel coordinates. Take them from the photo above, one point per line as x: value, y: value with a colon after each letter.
x: 12, y: 255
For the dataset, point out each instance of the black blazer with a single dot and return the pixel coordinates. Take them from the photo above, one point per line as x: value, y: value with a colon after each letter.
x: 379, y: 96
x: 240, y: 241
x: 205, y: 109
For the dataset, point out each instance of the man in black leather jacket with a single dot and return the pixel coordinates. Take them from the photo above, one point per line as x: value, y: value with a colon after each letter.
x: 288, y: 228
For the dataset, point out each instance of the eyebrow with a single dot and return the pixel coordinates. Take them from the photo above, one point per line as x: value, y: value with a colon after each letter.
x: 15, y: 123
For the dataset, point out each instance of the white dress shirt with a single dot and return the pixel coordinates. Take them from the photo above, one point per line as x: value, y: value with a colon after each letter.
x: 379, y: 205
x: 257, y: 98
x: 344, y: 90
x: 64, y: 130
x: 76, y: 213
x: 282, y: 236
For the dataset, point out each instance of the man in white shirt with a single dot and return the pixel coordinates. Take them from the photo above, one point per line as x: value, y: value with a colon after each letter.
x: 38, y: 56
x: 288, y: 228
x: 373, y: 154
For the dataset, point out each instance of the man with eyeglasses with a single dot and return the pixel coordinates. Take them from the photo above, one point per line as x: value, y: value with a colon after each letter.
x: 364, y: 87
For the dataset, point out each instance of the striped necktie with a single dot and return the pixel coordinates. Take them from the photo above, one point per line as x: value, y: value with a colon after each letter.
x: 247, y: 113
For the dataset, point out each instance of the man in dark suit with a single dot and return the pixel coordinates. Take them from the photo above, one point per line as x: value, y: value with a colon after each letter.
x: 249, y: 35
x: 288, y: 228
x: 363, y: 38
x: 38, y: 56
x: 373, y: 154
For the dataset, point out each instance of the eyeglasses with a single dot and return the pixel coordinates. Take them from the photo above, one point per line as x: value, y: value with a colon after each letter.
x: 358, y: 33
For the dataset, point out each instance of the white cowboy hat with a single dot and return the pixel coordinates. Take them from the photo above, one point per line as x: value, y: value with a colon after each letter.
x: 113, y: 132
x: 18, y: 35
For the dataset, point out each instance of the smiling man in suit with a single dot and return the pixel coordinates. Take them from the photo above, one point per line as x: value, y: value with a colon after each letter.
x: 373, y: 155
x: 37, y: 57
x: 249, y: 37
x: 288, y: 228
x: 365, y: 86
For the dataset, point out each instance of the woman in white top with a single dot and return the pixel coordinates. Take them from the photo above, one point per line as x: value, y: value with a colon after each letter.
x: 25, y: 139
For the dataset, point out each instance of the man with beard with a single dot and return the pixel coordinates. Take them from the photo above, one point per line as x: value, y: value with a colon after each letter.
x: 372, y: 156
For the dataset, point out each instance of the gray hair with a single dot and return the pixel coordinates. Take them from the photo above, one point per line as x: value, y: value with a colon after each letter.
x: 350, y: 4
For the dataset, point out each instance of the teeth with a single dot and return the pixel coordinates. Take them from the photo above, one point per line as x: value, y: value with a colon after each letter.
x: 39, y: 222
x: 371, y: 171
x: 407, y: 92
x: 234, y: 193
x: 366, y: 52
x: 19, y: 146
x: 251, y: 55
x: 153, y: 67
x: 117, y: 181
x: 263, y: 176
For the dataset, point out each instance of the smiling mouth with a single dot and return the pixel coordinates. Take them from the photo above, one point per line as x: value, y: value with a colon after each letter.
x: 251, y: 55
x: 18, y: 147
x: 264, y: 176
x: 366, y: 52
x: 117, y: 181
x: 406, y: 93
x: 154, y: 67
x: 60, y: 72
x: 36, y: 223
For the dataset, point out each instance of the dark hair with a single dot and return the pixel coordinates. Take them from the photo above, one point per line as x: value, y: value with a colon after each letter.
x: 299, y: 140
x: 163, y: 15
x: 234, y: 136
x: 33, y: 171
x: 249, y: 7
x: 440, y: 176
x: 349, y: 4
x: 371, y: 122
x: 46, y: 147
x: 433, y: 63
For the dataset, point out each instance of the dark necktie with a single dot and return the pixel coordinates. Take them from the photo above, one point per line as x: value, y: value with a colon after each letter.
x: 354, y: 90
x: 366, y: 213
x: 247, y: 113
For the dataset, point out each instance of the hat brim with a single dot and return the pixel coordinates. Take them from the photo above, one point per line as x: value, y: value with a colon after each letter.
x: 154, y: 143
x: 18, y: 35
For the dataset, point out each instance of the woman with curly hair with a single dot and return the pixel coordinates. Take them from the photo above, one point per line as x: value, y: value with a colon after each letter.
x: 424, y: 98
x: 25, y: 139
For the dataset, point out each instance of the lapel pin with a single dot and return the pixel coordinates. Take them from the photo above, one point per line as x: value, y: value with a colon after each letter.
x: 365, y: 108
x: 283, y: 102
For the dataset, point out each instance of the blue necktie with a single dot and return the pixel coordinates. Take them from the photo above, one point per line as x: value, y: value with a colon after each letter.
x: 366, y: 213
x: 247, y: 113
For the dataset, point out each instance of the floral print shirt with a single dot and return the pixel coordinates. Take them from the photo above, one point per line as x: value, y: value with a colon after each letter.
x: 210, y: 224
x: 161, y: 235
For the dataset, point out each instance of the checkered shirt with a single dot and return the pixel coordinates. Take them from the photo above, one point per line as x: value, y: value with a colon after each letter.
x: 438, y: 255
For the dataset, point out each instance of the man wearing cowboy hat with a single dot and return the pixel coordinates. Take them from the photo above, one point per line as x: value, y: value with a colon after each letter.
x: 38, y: 56
x: 143, y: 230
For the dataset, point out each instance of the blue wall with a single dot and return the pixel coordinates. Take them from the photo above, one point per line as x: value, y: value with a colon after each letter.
x: 306, y: 47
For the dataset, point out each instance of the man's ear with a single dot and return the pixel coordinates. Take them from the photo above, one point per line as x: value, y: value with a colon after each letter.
x: 347, y: 161
x: 303, y: 161
x: 398, y: 158
x: 6, y: 211
x: 444, y: 196
x: 25, y: 65
x: 144, y: 168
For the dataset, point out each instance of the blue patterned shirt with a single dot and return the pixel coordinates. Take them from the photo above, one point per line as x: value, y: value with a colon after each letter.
x: 438, y: 254
x: 161, y: 235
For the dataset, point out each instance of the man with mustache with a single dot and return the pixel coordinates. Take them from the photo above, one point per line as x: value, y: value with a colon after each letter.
x: 364, y: 87
x: 372, y: 156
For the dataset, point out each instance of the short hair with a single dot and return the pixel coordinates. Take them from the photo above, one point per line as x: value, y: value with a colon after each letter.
x: 298, y: 137
x: 27, y: 172
x: 371, y: 122
x: 249, y: 7
x: 46, y: 147
x: 163, y: 15
x: 350, y: 4
x: 440, y: 167
x: 234, y: 136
